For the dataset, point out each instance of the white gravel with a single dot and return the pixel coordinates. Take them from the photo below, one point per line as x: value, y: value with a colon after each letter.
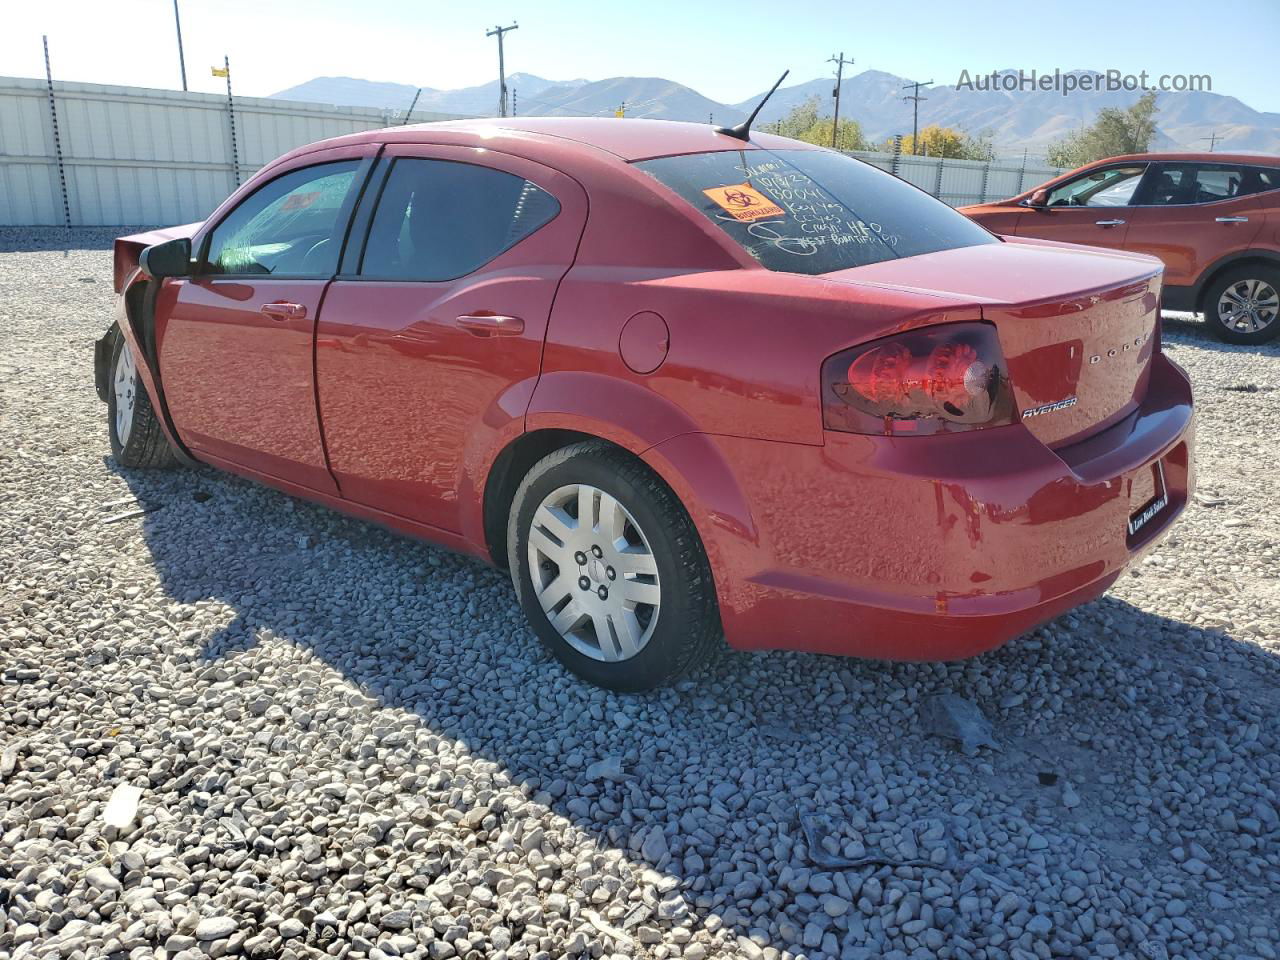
x: 349, y: 745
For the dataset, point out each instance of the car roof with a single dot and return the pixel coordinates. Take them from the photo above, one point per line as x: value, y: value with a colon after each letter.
x: 1194, y: 156
x: 627, y: 139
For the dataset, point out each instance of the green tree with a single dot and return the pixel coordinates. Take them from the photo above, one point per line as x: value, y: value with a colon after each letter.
x: 801, y: 117
x: 938, y: 141
x: 1116, y: 131
x: 804, y: 123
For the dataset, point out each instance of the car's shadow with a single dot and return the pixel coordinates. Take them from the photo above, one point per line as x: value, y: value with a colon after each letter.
x: 732, y: 757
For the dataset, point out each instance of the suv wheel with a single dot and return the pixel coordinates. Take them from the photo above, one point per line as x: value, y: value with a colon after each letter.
x: 1243, y: 305
x: 609, y: 569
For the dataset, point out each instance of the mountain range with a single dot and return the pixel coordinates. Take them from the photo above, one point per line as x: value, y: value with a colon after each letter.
x: 1015, y: 121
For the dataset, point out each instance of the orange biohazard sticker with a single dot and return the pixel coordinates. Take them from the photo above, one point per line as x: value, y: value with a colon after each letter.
x: 744, y: 202
x: 299, y: 201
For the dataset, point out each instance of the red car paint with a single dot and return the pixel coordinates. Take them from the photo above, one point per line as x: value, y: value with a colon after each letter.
x: 926, y: 547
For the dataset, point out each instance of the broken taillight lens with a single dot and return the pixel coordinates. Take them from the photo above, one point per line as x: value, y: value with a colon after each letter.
x: 932, y: 380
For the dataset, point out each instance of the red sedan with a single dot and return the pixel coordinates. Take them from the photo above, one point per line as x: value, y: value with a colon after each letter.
x: 681, y: 385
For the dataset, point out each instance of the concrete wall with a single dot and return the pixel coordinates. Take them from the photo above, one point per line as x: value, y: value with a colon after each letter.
x: 133, y: 155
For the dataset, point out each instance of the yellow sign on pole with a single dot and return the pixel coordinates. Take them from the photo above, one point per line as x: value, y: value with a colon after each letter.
x: 219, y: 71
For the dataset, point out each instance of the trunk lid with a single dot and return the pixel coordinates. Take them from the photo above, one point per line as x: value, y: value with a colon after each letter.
x: 1077, y: 325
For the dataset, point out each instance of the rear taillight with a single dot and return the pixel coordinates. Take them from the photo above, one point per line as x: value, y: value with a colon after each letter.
x: 933, y: 380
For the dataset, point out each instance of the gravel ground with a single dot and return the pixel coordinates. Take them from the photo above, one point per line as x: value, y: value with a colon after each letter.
x: 348, y: 743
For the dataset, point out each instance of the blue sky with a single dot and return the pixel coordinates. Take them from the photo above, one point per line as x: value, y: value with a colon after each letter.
x: 725, y: 50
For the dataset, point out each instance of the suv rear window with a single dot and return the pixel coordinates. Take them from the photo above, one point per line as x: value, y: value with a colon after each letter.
x: 814, y: 211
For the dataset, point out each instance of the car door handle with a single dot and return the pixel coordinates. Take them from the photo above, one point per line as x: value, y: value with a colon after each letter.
x: 1231, y: 220
x: 1109, y: 223
x: 283, y: 310
x: 491, y: 325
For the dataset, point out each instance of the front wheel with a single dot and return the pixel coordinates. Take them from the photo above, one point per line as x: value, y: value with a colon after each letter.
x: 609, y: 569
x: 137, y: 439
x: 1242, y: 306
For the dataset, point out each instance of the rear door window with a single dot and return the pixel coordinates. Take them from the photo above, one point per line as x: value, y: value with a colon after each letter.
x: 441, y: 219
x: 289, y: 227
x: 1219, y: 183
x: 1181, y: 184
x: 813, y: 211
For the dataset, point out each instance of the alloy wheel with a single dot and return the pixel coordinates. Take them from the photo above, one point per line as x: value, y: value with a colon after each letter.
x: 1248, y: 306
x: 594, y: 573
x: 125, y: 385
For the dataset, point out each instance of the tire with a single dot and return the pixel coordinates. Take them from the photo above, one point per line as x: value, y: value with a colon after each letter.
x: 1253, y: 293
x: 661, y: 619
x: 129, y: 413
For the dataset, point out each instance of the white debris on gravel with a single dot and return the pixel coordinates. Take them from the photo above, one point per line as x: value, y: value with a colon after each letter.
x: 358, y: 750
x: 122, y: 808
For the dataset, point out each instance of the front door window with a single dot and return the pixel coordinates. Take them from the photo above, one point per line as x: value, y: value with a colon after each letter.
x: 1113, y: 187
x: 287, y: 228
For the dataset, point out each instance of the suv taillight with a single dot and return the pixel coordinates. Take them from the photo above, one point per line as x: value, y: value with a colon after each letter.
x: 932, y: 380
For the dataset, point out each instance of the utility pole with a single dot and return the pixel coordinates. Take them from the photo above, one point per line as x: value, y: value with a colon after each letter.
x: 915, y: 99
x: 1212, y: 138
x: 515, y: 102
x: 182, y: 60
x: 839, y: 60
x: 502, y: 69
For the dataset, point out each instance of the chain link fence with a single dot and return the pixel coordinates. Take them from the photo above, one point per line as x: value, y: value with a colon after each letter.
x: 960, y: 182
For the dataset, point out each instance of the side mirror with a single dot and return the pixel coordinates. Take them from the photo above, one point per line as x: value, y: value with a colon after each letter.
x: 1039, y: 199
x: 169, y: 259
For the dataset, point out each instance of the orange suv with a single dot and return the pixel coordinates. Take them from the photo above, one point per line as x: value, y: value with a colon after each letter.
x: 1213, y: 218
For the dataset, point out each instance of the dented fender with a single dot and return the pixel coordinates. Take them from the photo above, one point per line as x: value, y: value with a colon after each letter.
x: 138, y: 333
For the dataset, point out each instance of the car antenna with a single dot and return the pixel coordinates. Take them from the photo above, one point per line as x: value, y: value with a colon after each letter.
x: 743, y: 130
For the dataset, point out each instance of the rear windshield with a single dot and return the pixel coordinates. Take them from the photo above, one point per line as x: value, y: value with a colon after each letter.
x: 814, y: 211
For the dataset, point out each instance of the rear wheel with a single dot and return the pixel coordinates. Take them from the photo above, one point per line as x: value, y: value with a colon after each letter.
x: 1243, y: 305
x: 137, y: 439
x: 609, y: 569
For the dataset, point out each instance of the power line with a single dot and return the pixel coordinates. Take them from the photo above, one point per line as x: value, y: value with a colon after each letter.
x: 502, y: 70
x: 1213, y: 138
x: 915, y: 99
x: 839, y: 61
